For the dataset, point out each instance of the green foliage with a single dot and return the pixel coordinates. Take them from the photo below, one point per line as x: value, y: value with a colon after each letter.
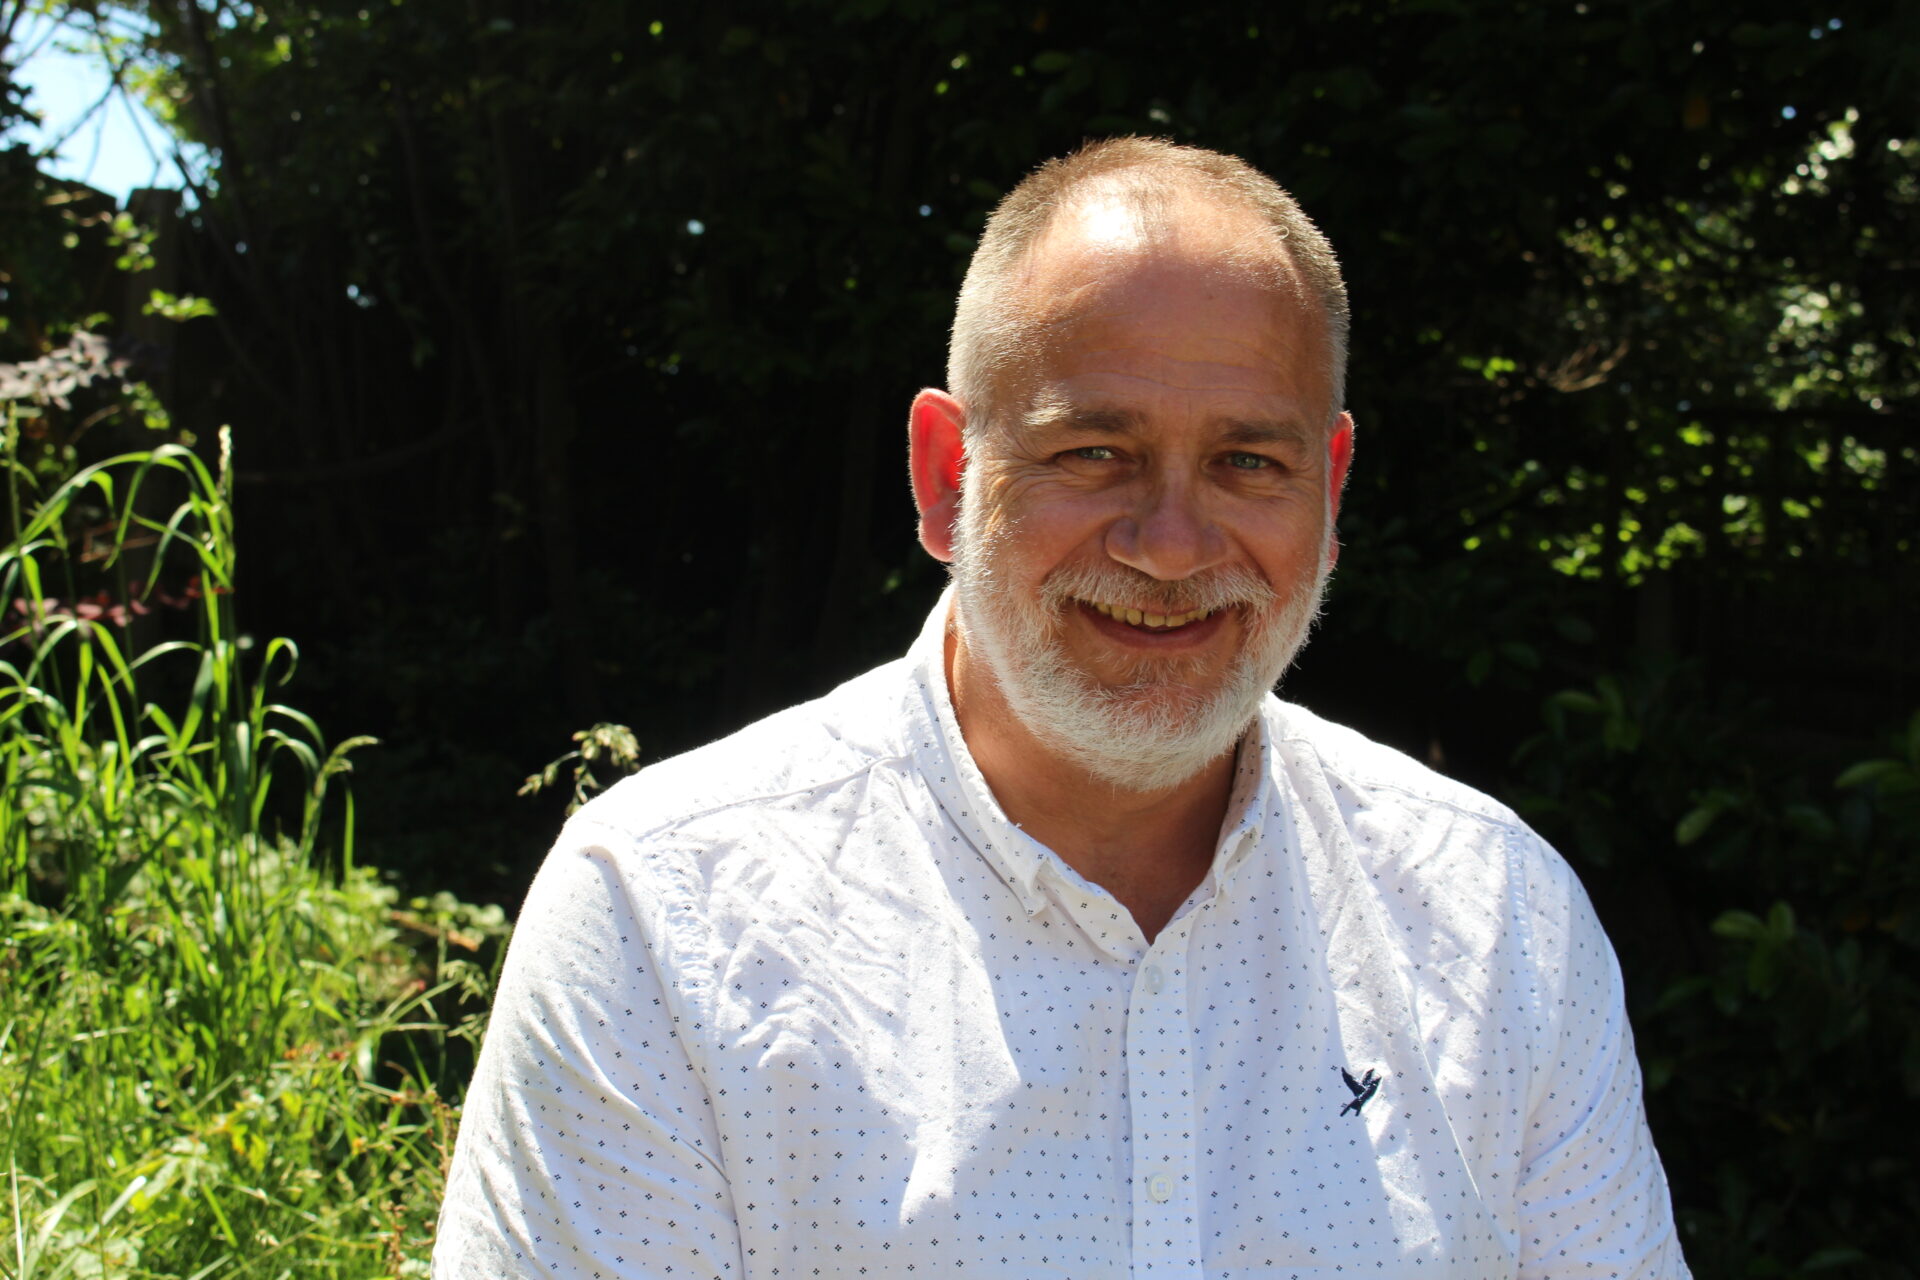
x: 1775, y: 915
x: 161, y: 303
x: 1628, y: 295
x: 610, y: 745
x: 221, y: 1042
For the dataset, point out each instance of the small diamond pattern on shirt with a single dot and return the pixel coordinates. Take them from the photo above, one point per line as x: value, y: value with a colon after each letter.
x: 806, y: 1004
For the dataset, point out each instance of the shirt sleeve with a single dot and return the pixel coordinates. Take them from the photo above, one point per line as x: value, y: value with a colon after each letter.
x: 1593, y: 1198
x: 587, y: 1147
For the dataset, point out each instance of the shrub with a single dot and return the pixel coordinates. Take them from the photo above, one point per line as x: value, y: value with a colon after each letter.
x: 222, y: 1042
x: 1764, y: 893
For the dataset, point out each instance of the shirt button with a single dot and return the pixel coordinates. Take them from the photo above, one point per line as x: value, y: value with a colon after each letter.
x: 1159, y: 1188
x: 1155, y: 981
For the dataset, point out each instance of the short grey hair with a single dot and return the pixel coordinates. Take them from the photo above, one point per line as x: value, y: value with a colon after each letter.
x: 989, y: 329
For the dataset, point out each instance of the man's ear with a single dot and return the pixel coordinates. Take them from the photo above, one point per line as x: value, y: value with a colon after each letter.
x: 1339, y: 458
x: 936, y: 455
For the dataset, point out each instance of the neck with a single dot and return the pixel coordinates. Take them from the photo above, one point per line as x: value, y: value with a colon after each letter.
x: 1149, y: 849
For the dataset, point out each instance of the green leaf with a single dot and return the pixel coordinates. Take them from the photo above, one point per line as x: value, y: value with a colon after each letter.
x: 1576, y: 700
x: 1873, y: 772
x: 1478, y: 666
x: 1743, y: 926
x: 1810, y: 821
x: 1696, y: 823
x: 1680, y: 992
x: 1520, y: 654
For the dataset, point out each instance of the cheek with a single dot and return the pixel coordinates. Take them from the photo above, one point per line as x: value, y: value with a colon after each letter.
x: 1010, y: 500
x: 1287, y: 543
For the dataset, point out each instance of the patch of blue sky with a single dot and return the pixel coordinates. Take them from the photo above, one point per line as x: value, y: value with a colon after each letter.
x: 89, y: 131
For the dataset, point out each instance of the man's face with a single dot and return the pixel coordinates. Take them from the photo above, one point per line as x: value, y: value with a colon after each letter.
x: 1145, y: 534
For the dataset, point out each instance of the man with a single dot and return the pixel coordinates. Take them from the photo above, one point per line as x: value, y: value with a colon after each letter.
x: 1061, y: 947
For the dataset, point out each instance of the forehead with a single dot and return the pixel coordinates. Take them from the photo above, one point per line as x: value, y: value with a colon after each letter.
x: 1181, y: 299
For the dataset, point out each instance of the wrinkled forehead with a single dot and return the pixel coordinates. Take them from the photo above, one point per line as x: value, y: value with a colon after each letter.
x: 1173, y: 275
x: 1120, y: 252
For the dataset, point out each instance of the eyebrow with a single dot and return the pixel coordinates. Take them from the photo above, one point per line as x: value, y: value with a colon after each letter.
x: 1269, y: 431
x: 1115, y: 421
x: 1086, y: 421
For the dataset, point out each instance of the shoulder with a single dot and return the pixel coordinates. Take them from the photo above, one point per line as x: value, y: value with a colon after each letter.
x: 861, y: 726
x: 1415, y: 828
x: 1376, y: 773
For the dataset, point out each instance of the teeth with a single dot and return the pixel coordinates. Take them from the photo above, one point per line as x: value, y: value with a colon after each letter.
x: 1138, y: 618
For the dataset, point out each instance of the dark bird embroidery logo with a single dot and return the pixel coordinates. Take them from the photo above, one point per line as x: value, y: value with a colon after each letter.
x: 1363, y: 1090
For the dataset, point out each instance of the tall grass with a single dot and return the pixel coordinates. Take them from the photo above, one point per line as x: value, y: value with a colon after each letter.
x: 220, y: 1039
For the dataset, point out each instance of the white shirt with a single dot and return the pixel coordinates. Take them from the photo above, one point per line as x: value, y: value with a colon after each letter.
x: 805, y: 1003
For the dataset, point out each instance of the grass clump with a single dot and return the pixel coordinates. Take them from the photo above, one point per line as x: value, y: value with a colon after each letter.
x: 223, y: 1045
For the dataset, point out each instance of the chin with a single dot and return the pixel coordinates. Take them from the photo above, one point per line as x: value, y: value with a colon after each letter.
x: 1144, y: 737
x: 1150, y: 735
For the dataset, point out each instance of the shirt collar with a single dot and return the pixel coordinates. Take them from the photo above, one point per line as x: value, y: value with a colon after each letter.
x: 1028, y: 867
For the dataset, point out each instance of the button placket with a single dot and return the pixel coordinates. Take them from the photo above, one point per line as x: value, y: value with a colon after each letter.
x: 1161, y: 1065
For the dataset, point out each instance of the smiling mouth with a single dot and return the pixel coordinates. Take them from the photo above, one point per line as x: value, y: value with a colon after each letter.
x: 1148, y: 621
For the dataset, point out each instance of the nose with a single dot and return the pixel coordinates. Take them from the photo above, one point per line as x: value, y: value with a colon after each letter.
x: 1168, y: 534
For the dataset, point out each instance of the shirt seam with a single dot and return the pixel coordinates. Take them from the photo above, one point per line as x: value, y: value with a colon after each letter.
x: 1549, y: 1019
x: 1513, y: 824
x: 667, y: 825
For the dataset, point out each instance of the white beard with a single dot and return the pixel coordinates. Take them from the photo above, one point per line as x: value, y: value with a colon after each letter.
x: 1157, y: 730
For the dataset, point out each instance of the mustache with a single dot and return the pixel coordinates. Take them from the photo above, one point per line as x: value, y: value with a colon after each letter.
x: 1221, y: 588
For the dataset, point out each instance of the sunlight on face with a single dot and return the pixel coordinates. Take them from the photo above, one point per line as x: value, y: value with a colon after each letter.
x: 1165, y: 445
